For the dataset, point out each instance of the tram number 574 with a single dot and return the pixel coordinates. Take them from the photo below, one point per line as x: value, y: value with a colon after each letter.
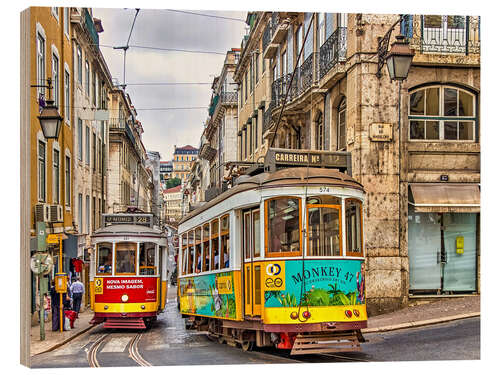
x: 324, y: 189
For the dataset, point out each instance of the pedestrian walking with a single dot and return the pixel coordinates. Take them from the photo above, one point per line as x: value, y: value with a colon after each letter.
x: 77, y: 289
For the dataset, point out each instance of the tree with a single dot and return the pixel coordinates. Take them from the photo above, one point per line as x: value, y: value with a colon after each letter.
x: 173, y: 182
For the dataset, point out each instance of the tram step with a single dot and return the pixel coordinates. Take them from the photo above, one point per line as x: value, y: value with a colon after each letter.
x: 329, y: 343
x: 124, y: 323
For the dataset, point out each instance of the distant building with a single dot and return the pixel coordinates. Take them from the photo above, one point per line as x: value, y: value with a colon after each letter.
x: 153, y: 163
x: 173, y: 203
x: 183, y: 161
x: 166, y: 169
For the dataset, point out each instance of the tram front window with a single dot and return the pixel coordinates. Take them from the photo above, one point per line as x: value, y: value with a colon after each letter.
x: 147, y: 259
x: 323, y: 231
x: 125, y: 258
x: 104, y: 258
x: 283, y: 226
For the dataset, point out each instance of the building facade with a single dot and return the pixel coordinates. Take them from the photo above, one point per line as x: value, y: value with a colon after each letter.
x: 417, y: 154
x: 183, y: 161
x: 166, y: 169
x: 173, y: 204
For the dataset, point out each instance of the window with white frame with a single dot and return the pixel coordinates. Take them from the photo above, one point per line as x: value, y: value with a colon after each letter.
x: 40, y: 62
x: 87, y: 78
x: 41, y: 170
x: 67, y: 182
x: 66, y: 20
x: 55, y: 78
x: 55, y: 176
x: 87, y: 145
x: 87, y: 213
x: 341, y: 127
x: 80, y: 140
x: 66, y: 96
x: 80, y: 213
x: 442, y: 113
x: 55, y: 12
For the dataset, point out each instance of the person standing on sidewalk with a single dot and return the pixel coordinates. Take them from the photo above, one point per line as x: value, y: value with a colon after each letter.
x: 77, y: 289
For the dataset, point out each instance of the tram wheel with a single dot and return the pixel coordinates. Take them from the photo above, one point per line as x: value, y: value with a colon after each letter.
x: 247, y: 346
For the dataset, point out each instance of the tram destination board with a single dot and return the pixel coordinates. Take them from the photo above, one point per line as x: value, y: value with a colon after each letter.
x: 133, y: 219
x: 280, y: 158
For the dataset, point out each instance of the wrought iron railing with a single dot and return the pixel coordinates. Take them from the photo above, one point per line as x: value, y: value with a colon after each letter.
x: 266, y: 36
x: 267, y: 119
x: 230, y: 97
x: 117, y: 123
x: 443, y: 34
x: 332, y: 51
x: 307, y: 74
x: 278, y: 90
x: 89, y: 24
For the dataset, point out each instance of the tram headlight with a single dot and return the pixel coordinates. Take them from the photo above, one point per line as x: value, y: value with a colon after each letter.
x: 348, y: 313
x: 124, y: 298
x: 306, y: 314
x: 105, y: 307
x: 356, y: 313
x: 294, y: 315
x: 143, y: 307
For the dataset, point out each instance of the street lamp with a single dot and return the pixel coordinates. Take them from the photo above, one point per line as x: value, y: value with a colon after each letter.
x: 399, y: 59
x: 50, y: 119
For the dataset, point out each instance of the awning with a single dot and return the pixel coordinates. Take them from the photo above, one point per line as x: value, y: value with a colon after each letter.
x: 445, y: 197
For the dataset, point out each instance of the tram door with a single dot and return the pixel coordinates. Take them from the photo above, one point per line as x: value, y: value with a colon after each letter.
x: 252, y: 270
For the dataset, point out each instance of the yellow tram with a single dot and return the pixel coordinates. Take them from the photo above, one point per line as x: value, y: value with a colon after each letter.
x: 128, y: 280
x: 278, y: 260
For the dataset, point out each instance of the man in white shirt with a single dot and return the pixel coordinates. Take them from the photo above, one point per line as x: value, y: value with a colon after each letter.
x: 77, y: 289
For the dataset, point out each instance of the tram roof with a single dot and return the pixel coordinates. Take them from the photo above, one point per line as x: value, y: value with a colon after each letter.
x: 284, y: 178
x: 117, y: 229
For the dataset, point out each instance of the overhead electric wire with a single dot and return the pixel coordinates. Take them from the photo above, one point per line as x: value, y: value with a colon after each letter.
x: 206, y: 15
x: 168, y: 83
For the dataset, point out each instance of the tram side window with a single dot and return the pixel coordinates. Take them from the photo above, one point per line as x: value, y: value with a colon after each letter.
x: 104, y: 258
x: 147, y: 258
x: 354, y: 225
x: 214, y: 239
x: 206, y: 247
x: 183, y: 254
x: 224, y: 237
x: 283, y: 226
x: 190, y: 251
x: 125, y: 254
x: 198, y: 250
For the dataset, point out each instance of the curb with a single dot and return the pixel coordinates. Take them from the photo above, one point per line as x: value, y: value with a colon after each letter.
x: 65, y: 341
x: 420, y: 323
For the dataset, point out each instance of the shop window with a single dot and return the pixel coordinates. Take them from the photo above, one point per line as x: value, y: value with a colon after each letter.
x: 104, y: 258
x: 147, y: 259
x: 125, y: 255
x: 354, y: 227
x: 224, y: 238
x: 214, y: 238
x: 283, y: 224
x: 324, y: 233
x: 442, y: 113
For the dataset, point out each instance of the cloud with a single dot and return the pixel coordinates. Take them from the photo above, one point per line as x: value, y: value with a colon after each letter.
x: 165, y: 29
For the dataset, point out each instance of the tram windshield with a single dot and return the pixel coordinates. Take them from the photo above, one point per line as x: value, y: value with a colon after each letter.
x: 283, y: 226
x: 125, y: 258
x: 147, y: 255
x: 104, y: 258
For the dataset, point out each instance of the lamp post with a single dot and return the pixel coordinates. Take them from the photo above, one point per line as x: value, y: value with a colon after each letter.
x: 50, y: 119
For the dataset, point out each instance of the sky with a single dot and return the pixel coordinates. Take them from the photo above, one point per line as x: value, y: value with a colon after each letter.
x: 168, y: 29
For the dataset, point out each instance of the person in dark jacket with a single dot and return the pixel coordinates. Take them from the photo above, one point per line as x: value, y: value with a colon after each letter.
x: 54, y: 296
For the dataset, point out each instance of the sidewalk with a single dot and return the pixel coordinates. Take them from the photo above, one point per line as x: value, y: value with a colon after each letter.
x: 439, y: 311
x: 57, y: 338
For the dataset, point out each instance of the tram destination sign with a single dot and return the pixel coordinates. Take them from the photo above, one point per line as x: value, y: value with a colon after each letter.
x: 279, y: 158
x: 137, y: 219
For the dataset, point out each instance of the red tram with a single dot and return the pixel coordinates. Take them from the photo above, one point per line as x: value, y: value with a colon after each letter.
x: 128, y: 281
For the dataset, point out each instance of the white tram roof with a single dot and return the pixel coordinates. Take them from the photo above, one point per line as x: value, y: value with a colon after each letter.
x: 126, y: 229
x: 284, y: 178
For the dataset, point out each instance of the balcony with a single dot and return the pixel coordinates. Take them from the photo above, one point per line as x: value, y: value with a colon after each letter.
x: 332, y: 51
x: 229, y: 98
x: 274, y: 33
x: 278, y: 90
x: 267, y: 120
x: 89, y: 26
x: 449, y: 35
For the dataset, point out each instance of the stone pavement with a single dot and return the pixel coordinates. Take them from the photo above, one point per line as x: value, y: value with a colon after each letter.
x: 438, y: 311
x: 55, y: 339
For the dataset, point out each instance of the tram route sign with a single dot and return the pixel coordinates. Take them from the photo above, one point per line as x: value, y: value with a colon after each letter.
x: 137, y: 219
x: 277, y: 158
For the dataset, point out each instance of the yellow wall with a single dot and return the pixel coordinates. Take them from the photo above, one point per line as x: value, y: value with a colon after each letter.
x: 54, y: 35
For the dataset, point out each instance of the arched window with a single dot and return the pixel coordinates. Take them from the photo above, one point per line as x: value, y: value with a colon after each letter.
x: 341, y: 128
x: 442, y: 113
x: 319, y: 132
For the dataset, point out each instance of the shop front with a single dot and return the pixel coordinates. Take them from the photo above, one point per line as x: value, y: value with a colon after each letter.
x: 443, y: 238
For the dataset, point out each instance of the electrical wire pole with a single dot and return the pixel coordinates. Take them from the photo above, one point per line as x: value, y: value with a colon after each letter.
x: 126, y: 47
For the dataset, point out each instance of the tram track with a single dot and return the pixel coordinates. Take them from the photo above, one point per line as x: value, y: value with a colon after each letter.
x: 133, y: 350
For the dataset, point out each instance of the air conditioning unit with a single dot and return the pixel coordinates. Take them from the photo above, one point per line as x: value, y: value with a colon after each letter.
x: 56, y: 213
x: 42, y: 212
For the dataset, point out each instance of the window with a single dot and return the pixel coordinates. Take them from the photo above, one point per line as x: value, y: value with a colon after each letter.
x: 283, y: 226
x: 246, y: 86
x: 354, y: 225
x: 206, y: 248
x: 55, y: 79
x: 94, y: 151
x: 80, y: 140
x: 147, y: 259
x: 104, y: 258
x: 66, y: 21
x: 125, y: 253
x: 66, y: 96
x: 442, y: 113
x: 87, y: 213
x: 55, y: 12
x: 79, y: 63
x: 87, y: 145
x: 94, y: 216
x: 67, y: 181
x: 323, y: 233
x: 224, y: 238
x: 319, y: 132
x: 257, y: 58
x: 190, y: 254
x: 197, y: 245
x: 94, y: 89
x: 55, y: 179
x: 341, y: 127
x: 321, y: 29
x: 256, y: 233
x: 183, y: 244
x: 80, y: 213
x: 298, y: 42
x: 40, y: 62
x: 87, y: 78
x: 215, y: 244
x: 41, y: 171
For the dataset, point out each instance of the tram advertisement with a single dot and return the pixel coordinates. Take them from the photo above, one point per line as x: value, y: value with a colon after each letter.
x: 314, y: 283
x: 209, y: 295
x: 138, y: 289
